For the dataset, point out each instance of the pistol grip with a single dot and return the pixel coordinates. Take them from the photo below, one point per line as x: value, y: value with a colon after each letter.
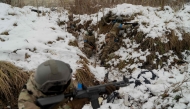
x: 94, y: 101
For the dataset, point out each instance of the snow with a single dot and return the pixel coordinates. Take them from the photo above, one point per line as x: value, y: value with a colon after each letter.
x: 33, y: 33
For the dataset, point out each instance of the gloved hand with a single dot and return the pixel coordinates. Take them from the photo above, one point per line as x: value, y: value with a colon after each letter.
x: 78, y: 103
x: 110, y: 89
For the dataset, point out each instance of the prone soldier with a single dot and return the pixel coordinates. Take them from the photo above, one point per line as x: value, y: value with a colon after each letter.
x: 71, y: 26
x: 114, y: 38
x: 89, y: 43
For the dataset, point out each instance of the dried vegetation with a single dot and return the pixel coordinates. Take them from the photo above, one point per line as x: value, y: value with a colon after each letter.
x: 84, y: 75
x: 12, y: 79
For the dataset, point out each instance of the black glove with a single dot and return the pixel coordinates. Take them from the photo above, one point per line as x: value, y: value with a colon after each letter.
x: 135, y: 24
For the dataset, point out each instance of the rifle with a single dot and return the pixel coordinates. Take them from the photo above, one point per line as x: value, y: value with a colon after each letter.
x: 123, y: 19
x: 35, y: 10
x: 133, y: 24
x: 92, y: 93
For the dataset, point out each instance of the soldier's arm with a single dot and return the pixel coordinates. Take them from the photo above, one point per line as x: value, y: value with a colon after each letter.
x: 25, y: 100
x: 123, y: 26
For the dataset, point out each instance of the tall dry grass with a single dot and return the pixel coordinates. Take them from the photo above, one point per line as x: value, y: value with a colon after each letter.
x: 84, y: 75
x: 92, y: 6
x: 12, y: 80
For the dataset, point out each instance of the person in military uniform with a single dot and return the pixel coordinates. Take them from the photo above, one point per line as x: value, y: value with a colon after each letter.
x: 110, y: 46
x: 89, y: 43
x: 52, y: 77
x: 113, y: 39
x: 71, y: 26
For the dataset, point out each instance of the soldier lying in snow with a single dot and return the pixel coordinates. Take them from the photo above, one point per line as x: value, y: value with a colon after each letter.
x: 114, y: 38
x: 89, y: 43
x: 71, y: 26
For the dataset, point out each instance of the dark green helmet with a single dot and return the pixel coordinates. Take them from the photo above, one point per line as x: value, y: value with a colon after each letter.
x: 53, y: 76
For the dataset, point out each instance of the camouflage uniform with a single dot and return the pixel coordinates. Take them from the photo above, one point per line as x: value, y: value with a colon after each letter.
x: 71, y: 27
x: 110, y: 46
x: 113, y: 41
x: 116, y: 29
x: 89, y: 44
x: 30, y: 93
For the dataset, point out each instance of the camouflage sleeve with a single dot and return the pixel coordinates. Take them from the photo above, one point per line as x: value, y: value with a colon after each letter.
x: 27, y: 96
x: 66, y: 106
x: 25, y: 101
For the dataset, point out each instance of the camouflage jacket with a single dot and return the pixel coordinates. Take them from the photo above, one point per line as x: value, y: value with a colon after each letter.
x: 30, y: 93
x: 71, y: 26
x: 116, y: 27
x: 89, y: 41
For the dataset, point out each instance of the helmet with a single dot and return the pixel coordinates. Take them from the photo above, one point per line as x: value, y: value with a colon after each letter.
x: 53, y: 77
x: 119, y: 19
x: 90, y: 31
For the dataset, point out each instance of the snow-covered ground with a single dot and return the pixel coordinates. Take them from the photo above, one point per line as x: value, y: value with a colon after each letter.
x: 32, y: 39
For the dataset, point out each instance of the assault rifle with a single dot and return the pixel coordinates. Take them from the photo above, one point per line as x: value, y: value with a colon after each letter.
x: 92, y: 93
x: 123, y: 19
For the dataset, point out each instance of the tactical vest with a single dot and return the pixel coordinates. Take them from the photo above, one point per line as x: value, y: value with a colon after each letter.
x: 90, y: 40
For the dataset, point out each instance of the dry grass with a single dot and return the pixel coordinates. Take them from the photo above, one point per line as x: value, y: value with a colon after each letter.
x: 156, y: 45
x: 73, y: 43
x: 5, y: 33
x: 122, y: 64
x: 2, y: 40
x: 27, y: 56
x: 12, y: 80
x: 59, y: 38
x: 50, y: 42
x: 83, y: 59
x: 92, y: 6
x: 53, y: 28
x: 32, y: 50
x: 84, y: 75
x: 15, y: 24
x: 12, y: 14
x: 59, y: 22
